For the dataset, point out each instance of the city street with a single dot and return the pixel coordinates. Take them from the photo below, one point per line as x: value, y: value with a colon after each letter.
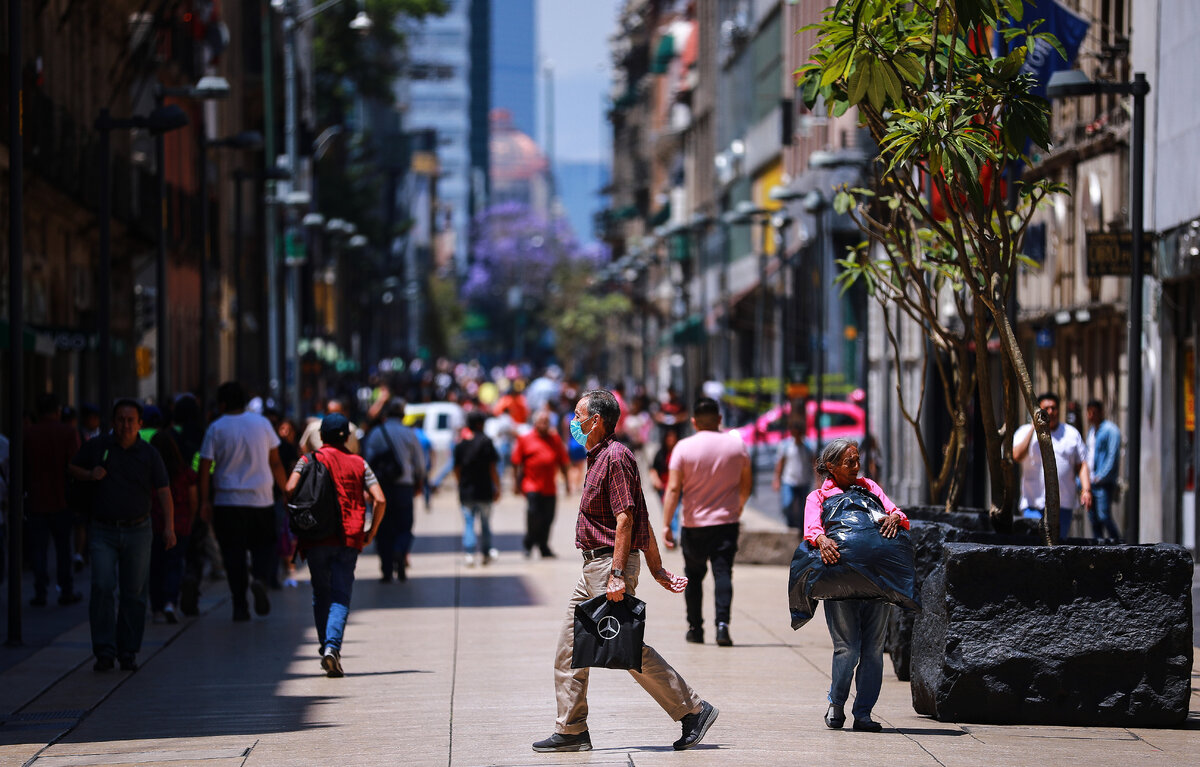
x: 453, y: 668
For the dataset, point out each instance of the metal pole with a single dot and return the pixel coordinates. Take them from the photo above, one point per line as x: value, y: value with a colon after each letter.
x: 760, y: 344
x: 238, y: 234
x: 781, y: 244
x: 1137, y: 145
x: 291, y: 336
x: 16, y: 323
x: 270, y: 240
x: 162, y: 344
x: 824, y: 235
x: 202, y: 156
x: 104, y: 308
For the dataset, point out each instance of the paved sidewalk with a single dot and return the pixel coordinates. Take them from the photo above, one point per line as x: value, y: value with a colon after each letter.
x: 454, y: 668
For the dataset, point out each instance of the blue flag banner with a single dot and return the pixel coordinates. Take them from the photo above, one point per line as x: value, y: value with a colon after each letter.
x: 1042, y: 60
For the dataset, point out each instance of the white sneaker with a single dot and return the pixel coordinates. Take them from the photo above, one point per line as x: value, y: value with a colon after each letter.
x: 469, y: 560
x: 493, y: 553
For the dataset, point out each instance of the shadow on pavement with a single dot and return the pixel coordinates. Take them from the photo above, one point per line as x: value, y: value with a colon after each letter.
x: 484, y: 590
x: 449, y: 544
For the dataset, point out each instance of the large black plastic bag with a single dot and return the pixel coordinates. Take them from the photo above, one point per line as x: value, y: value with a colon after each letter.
x: 870, y: 567
x: 609, y: 634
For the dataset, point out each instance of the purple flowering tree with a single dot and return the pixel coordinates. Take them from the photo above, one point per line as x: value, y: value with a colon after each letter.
x: 521, y: 264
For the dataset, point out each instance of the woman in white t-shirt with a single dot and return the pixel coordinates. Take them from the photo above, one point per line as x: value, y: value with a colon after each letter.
x: 793, y: 474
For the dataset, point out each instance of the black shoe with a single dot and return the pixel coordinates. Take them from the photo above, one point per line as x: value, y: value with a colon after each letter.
x: 867, y: 725
x: 695, y: 636
x: 695, y: 725
x: 385, y: 579
x: 241, y: 613
x: 103, y: 663
x: 189, y: 597
x: 548, y: 554
x: 169, y: 615
x: 559, y: 742
x: 262, y: 605
x: 723, y: 639
x: 128, y: 664
x: 70, y: 598
x: 835, y: 717
x: 38, y: 601
x: 332, y: 664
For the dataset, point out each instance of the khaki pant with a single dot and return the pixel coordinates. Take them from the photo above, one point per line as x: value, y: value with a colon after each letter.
x: 657, y: 677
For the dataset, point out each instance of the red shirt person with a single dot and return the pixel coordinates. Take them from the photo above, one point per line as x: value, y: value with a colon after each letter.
x: 537, y: 457
x: 50, y: 445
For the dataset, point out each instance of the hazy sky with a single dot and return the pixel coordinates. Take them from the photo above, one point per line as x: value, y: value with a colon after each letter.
x: 573, y: 34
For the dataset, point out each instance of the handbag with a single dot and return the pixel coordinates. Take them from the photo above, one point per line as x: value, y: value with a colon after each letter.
x: 609, y: 634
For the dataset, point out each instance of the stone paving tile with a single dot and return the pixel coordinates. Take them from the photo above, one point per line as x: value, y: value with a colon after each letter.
x: 454, y: 668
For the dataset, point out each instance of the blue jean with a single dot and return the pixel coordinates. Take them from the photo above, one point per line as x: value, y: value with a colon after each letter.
x: 44, y: 527
x: 120, y: 588
x: 791, y: 500
x: 394, y: 538
x: 331, y: 569
x: 857, y: 627
x: 1065, y: 517
x: 1101, y: 512
x: 166, y: 571
x: 483, y: 512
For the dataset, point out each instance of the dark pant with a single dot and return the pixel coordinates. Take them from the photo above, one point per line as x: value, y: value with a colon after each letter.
x: 166, y: 571
x: 394, y: 539
x: 701, y: 545
x: 120, y: 574
x: 58, y: 525
x: 539, y: 515
x: 240, y: 529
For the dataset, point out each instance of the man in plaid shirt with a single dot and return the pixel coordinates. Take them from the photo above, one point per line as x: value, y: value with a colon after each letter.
x: 613, y: 527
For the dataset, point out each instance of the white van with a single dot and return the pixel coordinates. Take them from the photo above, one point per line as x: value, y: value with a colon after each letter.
x: 441, y: 422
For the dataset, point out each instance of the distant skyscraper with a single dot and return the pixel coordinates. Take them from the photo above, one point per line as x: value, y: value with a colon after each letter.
x: 437, y: 93
x: 515, y: 61
x: 579, y: 185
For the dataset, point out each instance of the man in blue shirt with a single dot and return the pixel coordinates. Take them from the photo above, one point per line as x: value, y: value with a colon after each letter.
x: 1103, y: 450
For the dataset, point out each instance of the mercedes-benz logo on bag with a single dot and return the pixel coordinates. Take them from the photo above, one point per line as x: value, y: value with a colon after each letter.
x: 609, y: 627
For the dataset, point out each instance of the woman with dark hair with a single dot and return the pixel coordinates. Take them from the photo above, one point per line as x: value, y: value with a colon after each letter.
x: 856, y: 626
x: 167, y: 564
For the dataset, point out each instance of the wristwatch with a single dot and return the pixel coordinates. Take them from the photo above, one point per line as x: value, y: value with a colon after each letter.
x: 618, y: 573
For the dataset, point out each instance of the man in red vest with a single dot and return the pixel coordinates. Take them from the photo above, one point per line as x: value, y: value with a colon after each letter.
x: 331, y: 561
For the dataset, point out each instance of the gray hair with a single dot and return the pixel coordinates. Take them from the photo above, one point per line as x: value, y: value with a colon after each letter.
x: 832, y: 454
x: 603, y: 402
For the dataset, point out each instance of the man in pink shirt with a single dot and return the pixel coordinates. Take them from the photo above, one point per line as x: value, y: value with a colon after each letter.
x: 710, y: 471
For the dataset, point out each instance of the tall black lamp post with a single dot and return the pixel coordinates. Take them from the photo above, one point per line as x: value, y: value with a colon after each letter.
x: 163, y: 119
x: 245, y: 141
x: 208, y: 88
x: 1073, y: 82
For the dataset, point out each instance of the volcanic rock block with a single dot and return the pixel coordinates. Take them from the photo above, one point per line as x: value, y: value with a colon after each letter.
x: 1071, y: 635
x: 928, y: 538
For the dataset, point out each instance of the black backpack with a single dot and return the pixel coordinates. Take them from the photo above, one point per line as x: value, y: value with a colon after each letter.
x: 314, y: 512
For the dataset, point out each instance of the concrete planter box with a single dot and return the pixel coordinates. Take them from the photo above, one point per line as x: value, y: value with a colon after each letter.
x: 1071, y: 635
x: 931, y: 528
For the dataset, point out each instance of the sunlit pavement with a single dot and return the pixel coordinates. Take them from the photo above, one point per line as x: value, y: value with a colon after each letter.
x: 454, y: 668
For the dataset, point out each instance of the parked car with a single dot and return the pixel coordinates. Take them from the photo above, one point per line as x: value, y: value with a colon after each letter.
x: 838, y: 419
x: 441, y: 421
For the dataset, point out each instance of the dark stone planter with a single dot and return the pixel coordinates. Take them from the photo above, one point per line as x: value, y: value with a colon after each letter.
x: 931, y: 528
x: 1071, y: 635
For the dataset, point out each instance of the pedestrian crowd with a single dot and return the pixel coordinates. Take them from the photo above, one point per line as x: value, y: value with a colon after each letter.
x: 168, y: 500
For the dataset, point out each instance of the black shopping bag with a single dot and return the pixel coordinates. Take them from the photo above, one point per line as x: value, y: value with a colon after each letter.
x: 609, y: 634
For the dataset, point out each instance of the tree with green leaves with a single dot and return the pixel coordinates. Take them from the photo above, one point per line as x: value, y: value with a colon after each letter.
x: 941, y: 226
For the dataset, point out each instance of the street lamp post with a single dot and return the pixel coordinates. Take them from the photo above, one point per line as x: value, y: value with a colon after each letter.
x: 1066, y: 83
x: 208, y: 88
x: 816, y: 204
x: 292, y: 18
x: 16, y: 319
x: 162, y: 120
x: 246, y: 140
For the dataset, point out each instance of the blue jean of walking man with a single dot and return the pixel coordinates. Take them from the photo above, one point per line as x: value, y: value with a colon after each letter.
x: 482, y: 512
x: 120, y: 566
x: 332, y: 572
x: 857, y: 627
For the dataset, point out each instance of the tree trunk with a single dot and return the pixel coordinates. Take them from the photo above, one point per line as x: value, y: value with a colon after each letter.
x: 1008, y: 341
x: 1001, y: 513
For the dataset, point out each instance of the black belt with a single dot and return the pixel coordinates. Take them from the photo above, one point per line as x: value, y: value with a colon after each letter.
x: 591, y: 554
x: 124, y: 522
